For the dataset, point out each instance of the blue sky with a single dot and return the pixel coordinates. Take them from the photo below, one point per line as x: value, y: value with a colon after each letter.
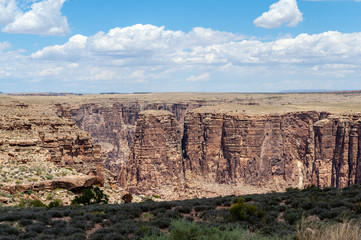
x: 93, y: 46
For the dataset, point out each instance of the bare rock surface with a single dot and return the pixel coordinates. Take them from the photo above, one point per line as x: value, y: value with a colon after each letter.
x: 32, y: 133
x: 223, y: 154
x: 190, y: 145
x: 155, y: 163
x: 68, y: 183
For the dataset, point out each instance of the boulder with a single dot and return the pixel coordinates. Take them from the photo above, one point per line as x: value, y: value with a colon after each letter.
x: 68, y: 183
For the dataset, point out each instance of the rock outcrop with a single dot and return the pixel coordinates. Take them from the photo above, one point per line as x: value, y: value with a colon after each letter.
x: 30, y: 134
x: 179, y: 150
x: 155, y: 163
x: 228, y: 153
x: 68, y: 183
x: 336, y: 150
x: 113, y: 124
x: 264, y: 151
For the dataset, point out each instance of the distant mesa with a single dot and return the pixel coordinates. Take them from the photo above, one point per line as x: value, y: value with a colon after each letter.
x: 141, y: 92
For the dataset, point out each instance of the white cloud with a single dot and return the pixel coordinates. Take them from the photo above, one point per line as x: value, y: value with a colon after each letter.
x: 144, y: 38
x: 4, y: 46
x: 147, y: 42
x: 151, y: 58
x: 155, y: 46
x: 71, y: 50
x: 283, y: 12
x: 44, y: 18
x: 200, y: 78
x: 50, y: 72
x: 8, y: 11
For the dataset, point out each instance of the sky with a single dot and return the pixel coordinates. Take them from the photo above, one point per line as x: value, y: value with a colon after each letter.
x: 95, y: 46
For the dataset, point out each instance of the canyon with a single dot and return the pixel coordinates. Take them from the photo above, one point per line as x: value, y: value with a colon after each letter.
x: 188, y: 146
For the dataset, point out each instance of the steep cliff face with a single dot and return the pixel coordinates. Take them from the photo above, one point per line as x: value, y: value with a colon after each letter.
x: 227, y: 153
x: 256, y: 150
x: 113, y: 124
x: 27, y: 135
x: 336, y: 152
x: 155, y: 163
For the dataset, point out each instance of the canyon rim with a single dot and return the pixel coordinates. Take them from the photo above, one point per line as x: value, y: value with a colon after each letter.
x: 180, y: 146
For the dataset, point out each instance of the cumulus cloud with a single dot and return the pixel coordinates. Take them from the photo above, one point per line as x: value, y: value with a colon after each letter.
x: 280, y: 13
x: 72, y: 50
x: 44, y: 18
x: 149, y: 56
x: 147, y: 44
x: 8, y: 11
x: 135, y: 42
x: 141, y: 38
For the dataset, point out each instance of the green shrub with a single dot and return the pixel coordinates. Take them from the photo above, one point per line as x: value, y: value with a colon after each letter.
x: 240, y: 211
x: 31, y: 203
x: 215, y: 215
x: 292, y: 189
x: 312, y: 188
x: 307, y: 205
x: 271, y: 216
x: 292, y: 215
x: 162, y: 222
x: 184, y: 209
x: 358, y: 208
x: 183, y: 230
x: 204, y: 208
x: 25, y: 222
x: 7, y: 230
x: 55, y: 203
x: 282, y: 208
x: 248, y: 198
x: 91, y: 196
x: 37, y: 227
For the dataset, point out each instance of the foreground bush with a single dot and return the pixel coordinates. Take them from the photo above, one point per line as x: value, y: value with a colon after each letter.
x: 329, y: 209
x: 91, y: 196
x: 31, y: 203
x: 182, y: 230
x: 241, y: 211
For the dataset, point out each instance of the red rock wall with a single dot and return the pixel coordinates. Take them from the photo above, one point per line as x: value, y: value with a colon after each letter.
x: 337, y: 160
x: 222, y: 153
x: 234, y: 154
x: 256, y: 150
x: 113, y: 124
x: 155, y: 163
x: 27, y: 136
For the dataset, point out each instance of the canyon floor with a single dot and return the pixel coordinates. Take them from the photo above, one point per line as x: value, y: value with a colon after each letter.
x: 177, y: 145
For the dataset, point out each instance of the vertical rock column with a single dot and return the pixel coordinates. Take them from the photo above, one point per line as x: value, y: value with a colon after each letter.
x: 155, y: 162
x: 332, y: 150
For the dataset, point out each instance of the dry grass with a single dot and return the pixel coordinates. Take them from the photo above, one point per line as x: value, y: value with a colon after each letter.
x: 226, y: 102
x: 347, y: 230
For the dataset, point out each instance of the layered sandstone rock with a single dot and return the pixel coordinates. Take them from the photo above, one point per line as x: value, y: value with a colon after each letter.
x: 188, y: 151
x: 263, y: 150
x: 29, y: 133
x: 113, y: 125
x: 336, y: 152
x: 155, y: 165
x: 68, y: 183
x: 228, y: 153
